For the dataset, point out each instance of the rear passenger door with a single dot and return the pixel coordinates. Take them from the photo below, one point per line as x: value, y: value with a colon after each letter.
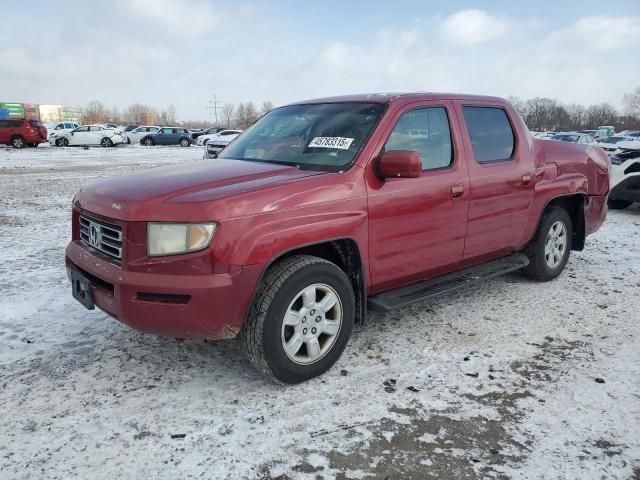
x: 4, y: 131
x: 417, y: 226
x: 501, y: 177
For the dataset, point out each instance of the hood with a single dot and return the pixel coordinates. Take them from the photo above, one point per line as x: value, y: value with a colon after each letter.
x: 198, y: 191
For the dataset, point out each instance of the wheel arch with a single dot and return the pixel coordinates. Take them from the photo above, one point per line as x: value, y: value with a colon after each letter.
x: 342, y: 251
x: 574, y: 204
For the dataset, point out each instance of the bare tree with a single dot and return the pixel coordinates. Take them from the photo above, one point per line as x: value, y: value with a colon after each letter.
x: 601, y: 114
x: 267, y: 106
x: 246, y: 114
x: 95, y: 112
x: 545, y: 114
x: 228, y: 112
x: 631, y: 102
x: 577, y: 116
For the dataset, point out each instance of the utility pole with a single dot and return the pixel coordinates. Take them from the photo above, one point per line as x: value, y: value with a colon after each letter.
x: 213, y: 108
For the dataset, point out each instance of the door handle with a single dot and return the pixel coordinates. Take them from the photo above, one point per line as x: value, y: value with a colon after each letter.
x: 526, y: 179
x: 457, y: 191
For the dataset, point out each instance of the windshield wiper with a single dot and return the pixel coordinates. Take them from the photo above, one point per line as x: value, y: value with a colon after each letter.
x: 278, y: 162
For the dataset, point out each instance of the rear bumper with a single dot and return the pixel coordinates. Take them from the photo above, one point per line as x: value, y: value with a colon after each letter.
x: 201, y: 306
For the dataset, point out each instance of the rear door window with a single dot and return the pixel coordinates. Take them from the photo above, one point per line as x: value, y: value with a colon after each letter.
x: 15, y: 123
x: 427, y: 132
x: 490, y: 132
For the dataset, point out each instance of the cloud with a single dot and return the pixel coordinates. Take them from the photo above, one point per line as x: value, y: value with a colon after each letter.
x: 160, y: 52
x: 472, y: 27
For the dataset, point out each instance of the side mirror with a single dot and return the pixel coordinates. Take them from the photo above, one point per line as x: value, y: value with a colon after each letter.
x: 399, y: 164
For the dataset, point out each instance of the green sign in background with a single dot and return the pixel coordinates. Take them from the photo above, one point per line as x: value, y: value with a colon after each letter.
x: 15, y: 109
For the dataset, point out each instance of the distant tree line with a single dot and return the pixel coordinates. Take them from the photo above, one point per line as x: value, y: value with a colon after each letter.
x: 230, y: 115
x: 541, y: 114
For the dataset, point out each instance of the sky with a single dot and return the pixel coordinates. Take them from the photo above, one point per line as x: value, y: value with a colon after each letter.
x: 183, y: 52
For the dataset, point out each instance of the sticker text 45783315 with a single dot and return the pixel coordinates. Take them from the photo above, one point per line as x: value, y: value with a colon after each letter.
x: 341, y: 143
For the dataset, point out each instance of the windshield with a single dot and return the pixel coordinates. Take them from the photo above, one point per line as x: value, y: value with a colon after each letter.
x: 325, y: 136
x: 615, y: 139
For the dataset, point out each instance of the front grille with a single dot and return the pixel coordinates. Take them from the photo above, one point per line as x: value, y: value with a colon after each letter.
x: 104, y: 237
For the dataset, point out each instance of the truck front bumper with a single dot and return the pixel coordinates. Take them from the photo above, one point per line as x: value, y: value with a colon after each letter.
x: 201, y: 306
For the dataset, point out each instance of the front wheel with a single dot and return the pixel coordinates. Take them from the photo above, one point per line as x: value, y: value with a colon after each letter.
x: 614, y: 204
x: 18, y: 142
x: 106, y: 142
x: 300, y: 320
x: 62, y: 142
x: 184, y: 142
x: 549, y: 249
x: 148, y: 142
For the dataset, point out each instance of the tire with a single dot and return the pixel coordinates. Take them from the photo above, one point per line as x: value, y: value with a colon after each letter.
x: 615, y: 204
x: 148, y: 142
x: 282, y: 290
x: 546, y: 258
x: 18, y: 142
x: 62, y: 142
x: 106, y: 142
x: 185, y: 143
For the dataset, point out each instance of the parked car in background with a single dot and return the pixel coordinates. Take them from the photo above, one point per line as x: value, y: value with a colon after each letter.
x: 630, y: 133
x: 128, y: 128
x: 625, y: 175
x: 610, y: 144
x: 87, y: 135
x: 224, y: 136
x: 324, y: 207
x: 543, y: 135
x: 168, y: 136
x: 20, y: 132
x: 195, y: 132
x: 134, y: 136
x: 58, y: 127
x: 209, y: 131
x: 574, y: 137
x: 213, y: 147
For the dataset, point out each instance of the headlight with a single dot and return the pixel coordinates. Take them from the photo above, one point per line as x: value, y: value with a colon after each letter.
x: 175, y: 238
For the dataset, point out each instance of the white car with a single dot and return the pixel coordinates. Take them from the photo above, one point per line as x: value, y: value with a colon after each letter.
x: 227, y: 135
x: 133, y: 137
x: 58, y: 127
x: 610, y: 144
x: 86, y: 135
x: 625, y: 175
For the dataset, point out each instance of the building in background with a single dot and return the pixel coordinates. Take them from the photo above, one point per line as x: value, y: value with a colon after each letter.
x: 43, y: 113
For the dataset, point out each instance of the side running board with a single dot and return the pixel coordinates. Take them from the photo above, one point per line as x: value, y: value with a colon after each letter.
x: 401, y: 297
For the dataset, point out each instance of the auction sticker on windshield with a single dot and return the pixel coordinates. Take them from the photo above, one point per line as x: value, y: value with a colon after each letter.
x: 342, y: 143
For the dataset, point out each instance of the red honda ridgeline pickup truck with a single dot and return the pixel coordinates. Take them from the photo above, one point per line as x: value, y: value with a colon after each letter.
x: 328, y: 207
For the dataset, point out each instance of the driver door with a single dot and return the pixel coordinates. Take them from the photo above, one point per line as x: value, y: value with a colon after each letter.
x: 79, y: 136
x: 417, y: 226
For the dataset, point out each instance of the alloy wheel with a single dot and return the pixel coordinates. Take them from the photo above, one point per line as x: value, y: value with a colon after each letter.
x: 311, y: 324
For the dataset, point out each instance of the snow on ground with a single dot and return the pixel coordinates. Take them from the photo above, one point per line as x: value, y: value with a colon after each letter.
x: 497, y: 381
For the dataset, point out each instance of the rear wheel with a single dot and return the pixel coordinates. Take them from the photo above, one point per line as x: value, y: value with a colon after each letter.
x: 18, y: 142
x: 615, y: 204
x: 184, y: 142
x: 549, y: 249
x: 300, y: 320
x: 106, y: 142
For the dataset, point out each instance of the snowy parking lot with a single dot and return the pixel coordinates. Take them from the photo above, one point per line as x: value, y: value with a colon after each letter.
x: 509, y: 379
